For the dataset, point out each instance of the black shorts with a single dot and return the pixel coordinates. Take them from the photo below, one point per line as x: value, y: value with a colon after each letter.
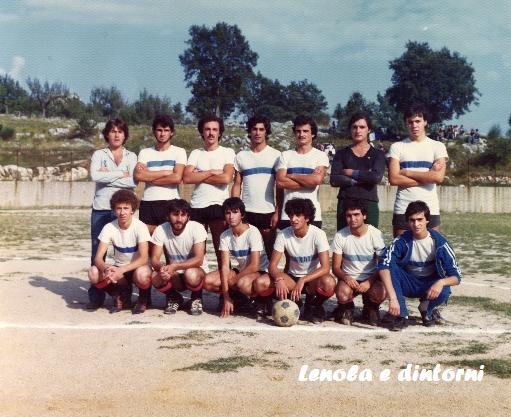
x: 237, y: 271
x: 154, y: 212
x: 207, y: 214
x: 286, y: 223
x: 259, y: 220
x: 399, y: 221
x: 295, y: 279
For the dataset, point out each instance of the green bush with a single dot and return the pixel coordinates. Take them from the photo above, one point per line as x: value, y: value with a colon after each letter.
x: 6, y: 132
x: 86, y: 125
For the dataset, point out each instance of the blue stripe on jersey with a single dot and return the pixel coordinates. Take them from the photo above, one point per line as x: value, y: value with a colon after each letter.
x: 240, y: 253
x: 300, y: 170
x: 361, y: 258
x: 258, y: 170
x: 133, y: 249
x: 178, y: 257
x: 165, y: 163
x: 415, y: 164
x: 304, y: 259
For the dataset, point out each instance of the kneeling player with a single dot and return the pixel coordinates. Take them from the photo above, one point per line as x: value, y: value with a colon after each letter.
x: 244, y: 243
x: 129, y: 237
x: 420, y: 263
x: 309, y: 263
x: 185, y: 243
x: 355, y: 250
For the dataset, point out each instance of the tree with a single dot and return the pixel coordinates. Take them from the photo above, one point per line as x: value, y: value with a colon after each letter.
x: 177, y: 113
x: 494, y: 133
x: 387, y: 120
x: 497, y: 153
x: 71, y: 107
x: 107, y: 102
x: 45, y: 94
x: 356, y: 103
x: 12, y: 96
x: 305, y: 97
x: 147, y: 106
x: 441, y: 80
x: 216, y: 63
x: 266, y: 97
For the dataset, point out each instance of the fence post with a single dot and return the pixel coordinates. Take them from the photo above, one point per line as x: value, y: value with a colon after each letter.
x: 468, y: 171
x: 17, y: 162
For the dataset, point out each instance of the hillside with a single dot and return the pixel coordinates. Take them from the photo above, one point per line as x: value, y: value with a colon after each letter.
x: 55, y: 146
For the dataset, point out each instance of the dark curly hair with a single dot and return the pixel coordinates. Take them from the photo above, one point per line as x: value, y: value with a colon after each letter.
x: 299, y: 206
x: 124, y: 196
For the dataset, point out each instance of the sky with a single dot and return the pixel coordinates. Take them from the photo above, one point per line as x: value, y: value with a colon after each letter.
x: 341, y: 46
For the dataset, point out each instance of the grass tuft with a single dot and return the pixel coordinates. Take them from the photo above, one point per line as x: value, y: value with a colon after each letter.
x: 220, y: 365
x: 333, y: 347
x: 483, y: 303
x: 235, y: 362
x: 194, y: 335
x: 500, y: 368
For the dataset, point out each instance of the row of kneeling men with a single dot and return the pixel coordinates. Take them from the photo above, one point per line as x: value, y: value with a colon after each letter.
x: 419, y: 264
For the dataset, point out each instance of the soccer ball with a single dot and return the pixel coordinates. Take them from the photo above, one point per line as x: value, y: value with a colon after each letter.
x: 285, y: 313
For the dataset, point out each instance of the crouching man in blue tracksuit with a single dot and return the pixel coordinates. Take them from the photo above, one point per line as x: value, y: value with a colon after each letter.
x: 419, y: 264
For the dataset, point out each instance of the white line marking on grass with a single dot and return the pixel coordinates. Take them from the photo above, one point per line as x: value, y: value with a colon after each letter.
x: 478, y: 284
x: 47, y: 258
x: 242, y: 328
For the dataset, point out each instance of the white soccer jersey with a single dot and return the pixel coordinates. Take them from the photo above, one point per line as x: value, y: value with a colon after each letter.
x: 417, y: 156
x: 258, y: 173
x: 240, y: 247
x: 296, y: 163
x: 303, y: 252
x: 125, y: 242
x: 358, y: 252
x: 180, y: 247
x: 422, y: 259
x: 204, y: 194
x: 159, y: 161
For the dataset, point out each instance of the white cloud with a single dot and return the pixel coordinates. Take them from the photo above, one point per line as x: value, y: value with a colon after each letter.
x: 17, y: 66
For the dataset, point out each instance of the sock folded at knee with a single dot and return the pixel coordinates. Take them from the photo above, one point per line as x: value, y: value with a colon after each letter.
x: 322, y: 292
x: 102, y: 284
x: 165, y: 288
x: 268, y: 292
x: 197, y: 287
x: 196, y: 291
x: 144, y: 286
x: 109, y: 288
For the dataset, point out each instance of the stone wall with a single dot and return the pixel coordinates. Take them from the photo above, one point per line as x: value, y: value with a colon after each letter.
x: 25, y: 194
